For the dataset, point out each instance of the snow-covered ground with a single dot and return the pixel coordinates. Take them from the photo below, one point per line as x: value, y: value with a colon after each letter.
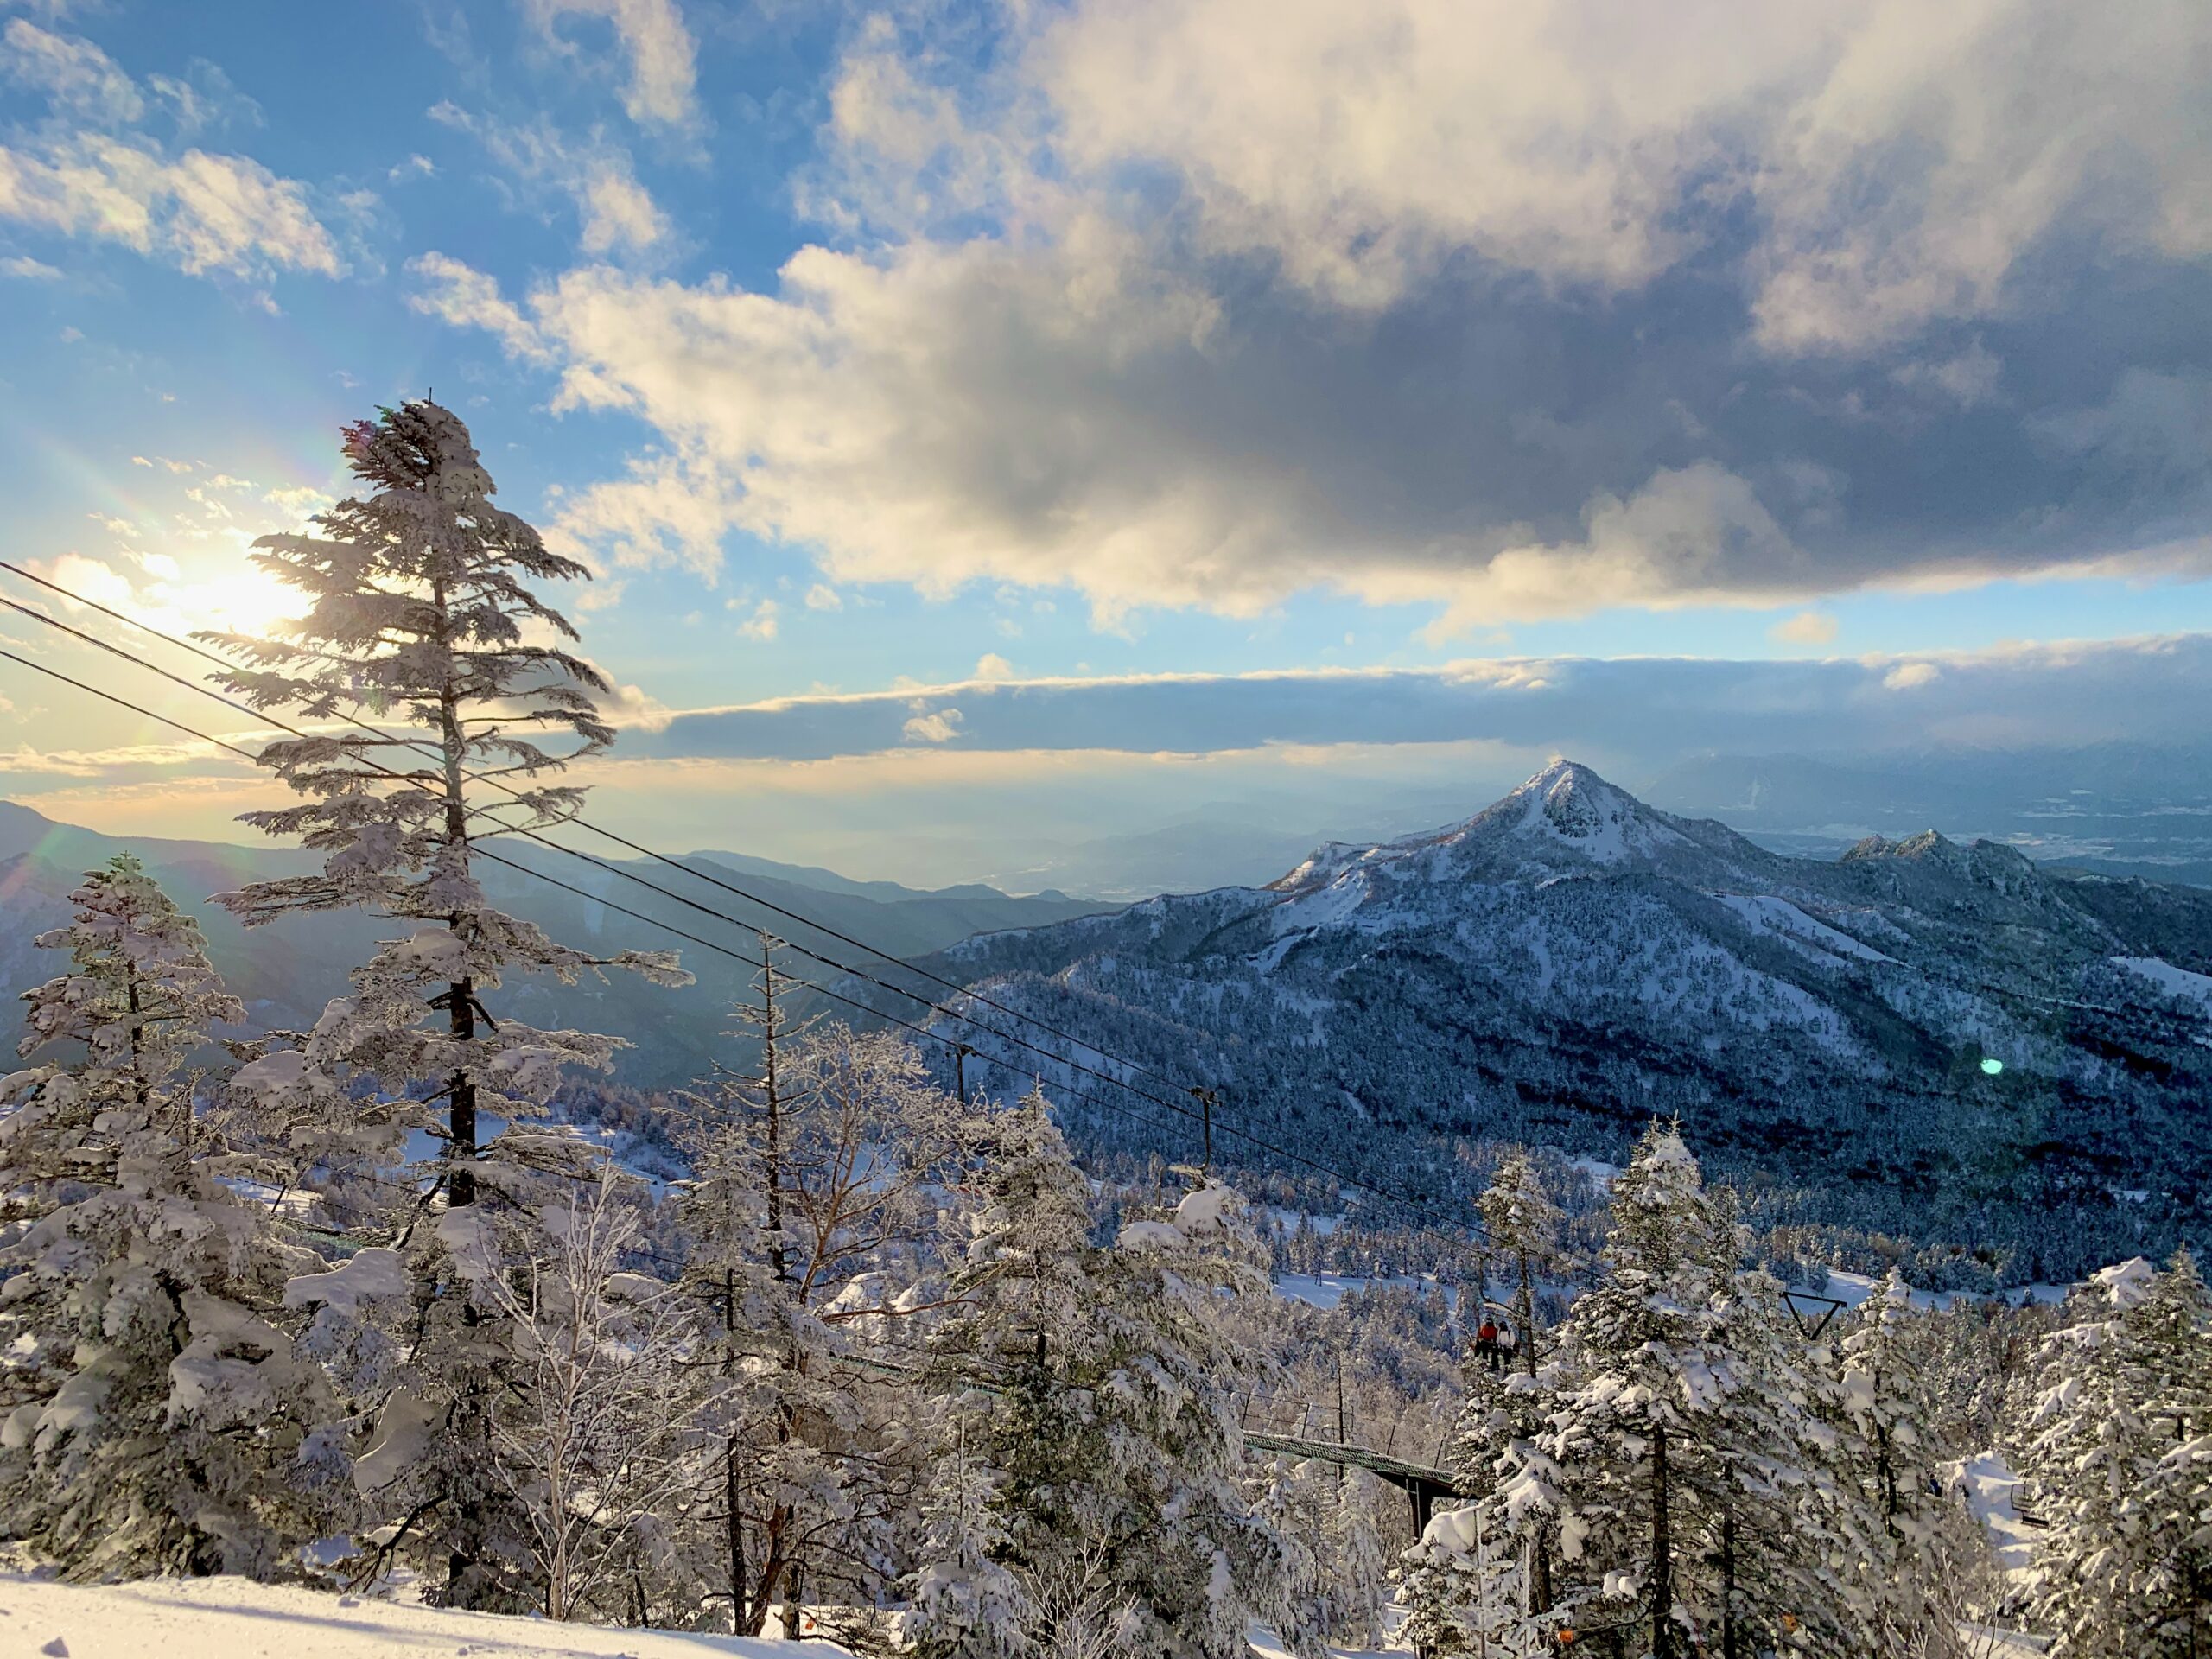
x: 236, y: 1618
x: 2172, y: 980
x: 1327, y: 1289
x: 1603, y: 1173
x: 1989, y: 1485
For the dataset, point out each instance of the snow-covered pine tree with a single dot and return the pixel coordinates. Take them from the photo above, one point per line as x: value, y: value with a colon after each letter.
x: 2117, y: 1454
x: 965, y: 1602
x: 419, y: 609
x: 1875, y: 1394
x: 812, y: 1219
x: 1507, y: 1403
x: 1464, y: 1589
x: 1674, y: 1445
x: 1362, y: 1571
x: 155, y: 1417
x: 1297, y: 1504
x: 1110, y: 1417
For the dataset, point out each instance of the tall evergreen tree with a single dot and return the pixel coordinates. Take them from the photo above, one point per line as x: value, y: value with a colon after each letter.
x: 153, y: 1418
x: 1688, y: 1502
x: 1464, y: 1585
x: 420, y: 609
x: 1508, y: 1401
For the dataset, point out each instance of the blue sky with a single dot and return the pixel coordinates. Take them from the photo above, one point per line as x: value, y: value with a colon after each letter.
x: 1227, y: 386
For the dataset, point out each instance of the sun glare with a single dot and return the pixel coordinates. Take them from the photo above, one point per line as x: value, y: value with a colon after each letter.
x: 246, y: 601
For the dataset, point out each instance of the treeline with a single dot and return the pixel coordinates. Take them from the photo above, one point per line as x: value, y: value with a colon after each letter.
x: 1692, y: 1462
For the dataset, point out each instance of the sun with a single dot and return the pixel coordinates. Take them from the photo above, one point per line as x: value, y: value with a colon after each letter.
x: 249, y: 601
x: 252, y: 601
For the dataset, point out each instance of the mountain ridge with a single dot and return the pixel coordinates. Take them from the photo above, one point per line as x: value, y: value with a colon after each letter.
x: 1570, y: 960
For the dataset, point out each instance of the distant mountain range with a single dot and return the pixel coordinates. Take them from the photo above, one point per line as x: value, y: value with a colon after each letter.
x: 2121, y: 808
x: 2117, y: 807
x: 1920, y: 1035
x: 287, y: 970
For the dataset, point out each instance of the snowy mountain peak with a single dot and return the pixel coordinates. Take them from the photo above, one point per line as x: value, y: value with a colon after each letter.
x: 1567, y: 807
x: 1566, y: 820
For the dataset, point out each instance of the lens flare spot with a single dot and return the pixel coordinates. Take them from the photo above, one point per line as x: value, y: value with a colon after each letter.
x: 1991, y: 1066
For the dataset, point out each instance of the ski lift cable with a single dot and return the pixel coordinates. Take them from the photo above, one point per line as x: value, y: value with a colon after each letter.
x: 952, y: 985
x: 1433, y: 1230
x: 1203, y: 1116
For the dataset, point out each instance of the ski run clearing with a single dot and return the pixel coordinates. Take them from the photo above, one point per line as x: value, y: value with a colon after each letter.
x: 237, y: 1618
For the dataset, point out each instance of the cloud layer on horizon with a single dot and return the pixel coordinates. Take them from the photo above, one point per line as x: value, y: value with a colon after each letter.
x: 1642, y: 712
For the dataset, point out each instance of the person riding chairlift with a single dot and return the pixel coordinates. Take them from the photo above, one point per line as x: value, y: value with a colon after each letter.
x: 1487, y: 1348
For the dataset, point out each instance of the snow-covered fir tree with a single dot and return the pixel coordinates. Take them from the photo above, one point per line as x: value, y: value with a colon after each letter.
x: 2116, y: 1451
x: 419, y: 608
x: 1110, y: 1417
x: 1361, y: 1590
x: 1465, y: 1587
x: 1509, y: 1392
x: 1871, y: 1430
x: 965, y: 1602
x: 153, y: 1417
x: 812, y: 1223
x: 1690, y: 1506
x: 1297, y: 1504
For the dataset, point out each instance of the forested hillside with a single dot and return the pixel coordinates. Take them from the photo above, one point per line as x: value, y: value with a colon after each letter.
x: 1919, y: 1039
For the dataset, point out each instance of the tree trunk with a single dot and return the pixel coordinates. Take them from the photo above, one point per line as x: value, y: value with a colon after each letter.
x: 140, y: 1088
x: 1728, y: 1584
x: 460, y: 994
x: 1662, y: 1553
x: 1540, y: 1560
x: 732, y: 1486
x: 776, y: 1565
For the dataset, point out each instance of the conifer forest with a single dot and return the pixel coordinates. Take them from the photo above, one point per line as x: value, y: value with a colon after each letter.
x: 1105, y: 829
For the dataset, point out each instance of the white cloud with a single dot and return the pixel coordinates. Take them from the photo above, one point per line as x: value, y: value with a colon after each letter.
x: 614, y: 211
x: 992, y: 666
x: 617, y: 212
x: 466, y: 297
x: 940, y: 726
x: 1970, y: 378
x: 30, y: 270
x: 823, y: 597
x: 1901, y: 159
x: 76, y: 76
x: 763, y: 622
x: 1906, y: 676
x: 1034, y: 355
x: 202, y: 211
x: 1806, y: 628
x: 662, y: 84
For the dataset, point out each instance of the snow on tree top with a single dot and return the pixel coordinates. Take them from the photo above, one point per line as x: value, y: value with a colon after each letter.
x: 2126, y: 1283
